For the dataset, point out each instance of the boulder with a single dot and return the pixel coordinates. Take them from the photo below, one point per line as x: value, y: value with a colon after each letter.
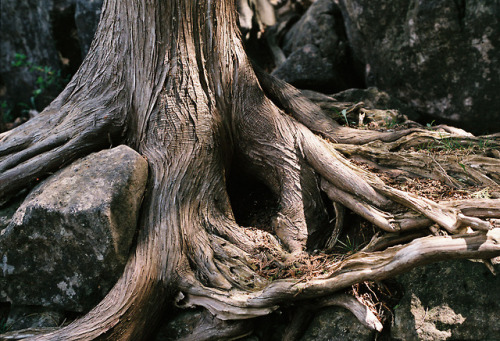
x: 68, y: 242
x: 439, y: 56
x: 26, y: 29
x: 456, y: 300
x: 371, y: 97
x: 335, y: 323
x: 53, y: 34
x: 21, y: 317
x: 307, y: 68
x: 317, y: 51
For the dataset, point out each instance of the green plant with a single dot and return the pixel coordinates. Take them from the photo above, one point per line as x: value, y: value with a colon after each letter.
x: 47, y: 79
x: 451, y: 144
x: 486, y: 143
x: 446, y: 143
x: 391, y: 122
x: 349, y: 245
x: 344, y: 115
x: 3, y: 325
x: 430, y: 125
x: 5, y: 112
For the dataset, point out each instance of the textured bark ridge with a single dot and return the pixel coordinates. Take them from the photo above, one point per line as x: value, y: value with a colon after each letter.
x: 171, y: 80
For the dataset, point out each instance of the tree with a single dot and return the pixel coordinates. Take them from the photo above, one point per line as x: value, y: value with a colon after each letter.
x: 171, y: 80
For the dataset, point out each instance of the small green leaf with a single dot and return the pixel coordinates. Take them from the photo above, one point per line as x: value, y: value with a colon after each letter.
x: 344, y: 114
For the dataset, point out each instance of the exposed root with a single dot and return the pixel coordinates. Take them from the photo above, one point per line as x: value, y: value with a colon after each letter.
x: 450, y: 219
x: 375, y: 216
x: 58, y: 138
x: 361, y: 311
x: 337, y: 228
x: 210, y: 328
x: 456, y: 169
x: 294, y: 103
x: 357, y: 268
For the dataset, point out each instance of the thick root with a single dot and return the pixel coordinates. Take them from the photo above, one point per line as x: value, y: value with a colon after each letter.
x: 51, y: 140
x: 357, y: 268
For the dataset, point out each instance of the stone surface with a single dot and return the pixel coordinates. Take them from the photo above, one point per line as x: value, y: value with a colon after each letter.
x: 336, y: 324
x: 317, y: 51
x: 180, y: 326
x: 25, y: 29
x: 33, y: 317
x: 87, y: 15
x: 50, y: 33
x: 439, y: 56
x: 8, y: 210
x: 371, y: 97
x: 67, y: 243
x: 456, y: 300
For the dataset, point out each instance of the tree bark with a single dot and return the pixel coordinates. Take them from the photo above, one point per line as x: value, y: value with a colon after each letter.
x: 171, y: 80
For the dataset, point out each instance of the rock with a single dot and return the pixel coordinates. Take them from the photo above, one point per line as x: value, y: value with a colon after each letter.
x: 69, y: 240
x: 439, y: 56
x: 48, y: 33
x: 306, y: 68
x: 180, y: 326
x: 87, y: 15
x: 319, y: 27
x: 7, y: 211
x: 371, y: 97
x: 33, y: 317
x: 26, y: 29
x: 456, y: 300
x: 317, y: 52
x: 335, y: 323
x: 197, y: 324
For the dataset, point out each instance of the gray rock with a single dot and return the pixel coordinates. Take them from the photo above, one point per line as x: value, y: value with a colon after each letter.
x: 306, y: 68
x: 180, y: 326
x: 7, y: 211
x: 87, y: 15
x: 316, y: 49
x: 68, y: 242
x: 456, y: 300
x: 318, y: 26
x: 371, y: 97
x: 33, y: 317
x: 335, y: 323
x: 25, y: 29
x: 439, y: 56
x: 50, y: 33
x: 196, y: 324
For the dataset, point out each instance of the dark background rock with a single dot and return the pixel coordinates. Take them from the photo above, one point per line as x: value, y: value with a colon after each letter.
x: 438, y: 58
x: 33, y: 317
x: 371, y: 97
x: 26, y: 29
x: 442, y: 57
x: 458, y: 300
x: 336, y: 324
x: 68, y: 242
x: 318, y: 55
x: 50, y: 33
x: 327, y: 324
x: 87, y: 15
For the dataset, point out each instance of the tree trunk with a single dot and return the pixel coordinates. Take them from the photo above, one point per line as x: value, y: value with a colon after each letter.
x: 171, y: 80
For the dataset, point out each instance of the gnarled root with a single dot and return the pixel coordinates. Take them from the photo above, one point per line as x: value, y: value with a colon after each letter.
x: 62, y: 133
